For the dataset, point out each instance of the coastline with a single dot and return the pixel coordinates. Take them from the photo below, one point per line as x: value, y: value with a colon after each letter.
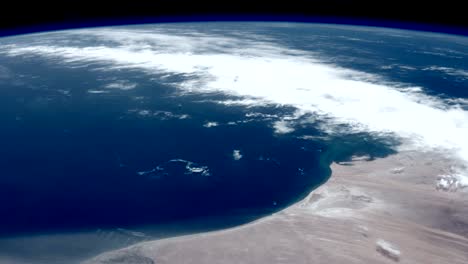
x: 385, y: 210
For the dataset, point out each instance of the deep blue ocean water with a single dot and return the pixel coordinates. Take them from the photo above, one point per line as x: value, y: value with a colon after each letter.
x: 73, y: 160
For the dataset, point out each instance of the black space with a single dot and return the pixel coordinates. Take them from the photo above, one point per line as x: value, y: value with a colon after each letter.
x: 24, y: 16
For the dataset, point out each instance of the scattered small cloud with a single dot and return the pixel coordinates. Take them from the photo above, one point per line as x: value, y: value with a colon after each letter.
x: 243, y: 102
x: 449, y: 71
x: 406, y: 67
x: 160, y: 171
x: 202, y: 170
x: 388, y: 250
x: 260, y: 115
x: 144, y: 113
x: 282, y: 127
x: 211, y: 124
x: 183, y: 116
x: 121, y: 85
x: 451, y: 182
x: 161, y: 115
x: 97, y: 91
x: 236, y: 155
x: 312, y: 137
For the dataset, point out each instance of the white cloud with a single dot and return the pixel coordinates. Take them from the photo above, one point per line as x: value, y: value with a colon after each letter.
x: 449, y: 71
x: 282, y: 127
x: 162, y: 115
x: 387, y: 249
x: 190, y: 168
x: 406, y: 67
x: 236, y: 155
x: 97, y: 91
x: 260, y: 115
x: 312, y: 137
x: 243, y: 102
x: 267, y: 73
x: 202, y: 170
x: 144, y: 112
x: 460, y: 102
x: 183, y: 116
x: 451, y: 182
x: 121, y: 85
x: 210, y: 124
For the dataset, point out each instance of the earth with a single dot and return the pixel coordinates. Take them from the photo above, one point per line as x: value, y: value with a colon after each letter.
x: 115, y: 136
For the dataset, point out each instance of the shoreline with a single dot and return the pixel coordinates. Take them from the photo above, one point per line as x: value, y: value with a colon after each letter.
x: 385, y: 210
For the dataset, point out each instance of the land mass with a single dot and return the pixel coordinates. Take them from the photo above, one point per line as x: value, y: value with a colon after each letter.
x: 386, y: 210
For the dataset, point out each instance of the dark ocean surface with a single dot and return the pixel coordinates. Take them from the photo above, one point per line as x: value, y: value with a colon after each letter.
x: 77, y: 160
x: 105, y: 170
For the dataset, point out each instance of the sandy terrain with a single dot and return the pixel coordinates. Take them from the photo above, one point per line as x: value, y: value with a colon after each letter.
x: 382, y: 211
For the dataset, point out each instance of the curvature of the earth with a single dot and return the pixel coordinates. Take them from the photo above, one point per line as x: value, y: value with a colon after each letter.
x: 124, y: 127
